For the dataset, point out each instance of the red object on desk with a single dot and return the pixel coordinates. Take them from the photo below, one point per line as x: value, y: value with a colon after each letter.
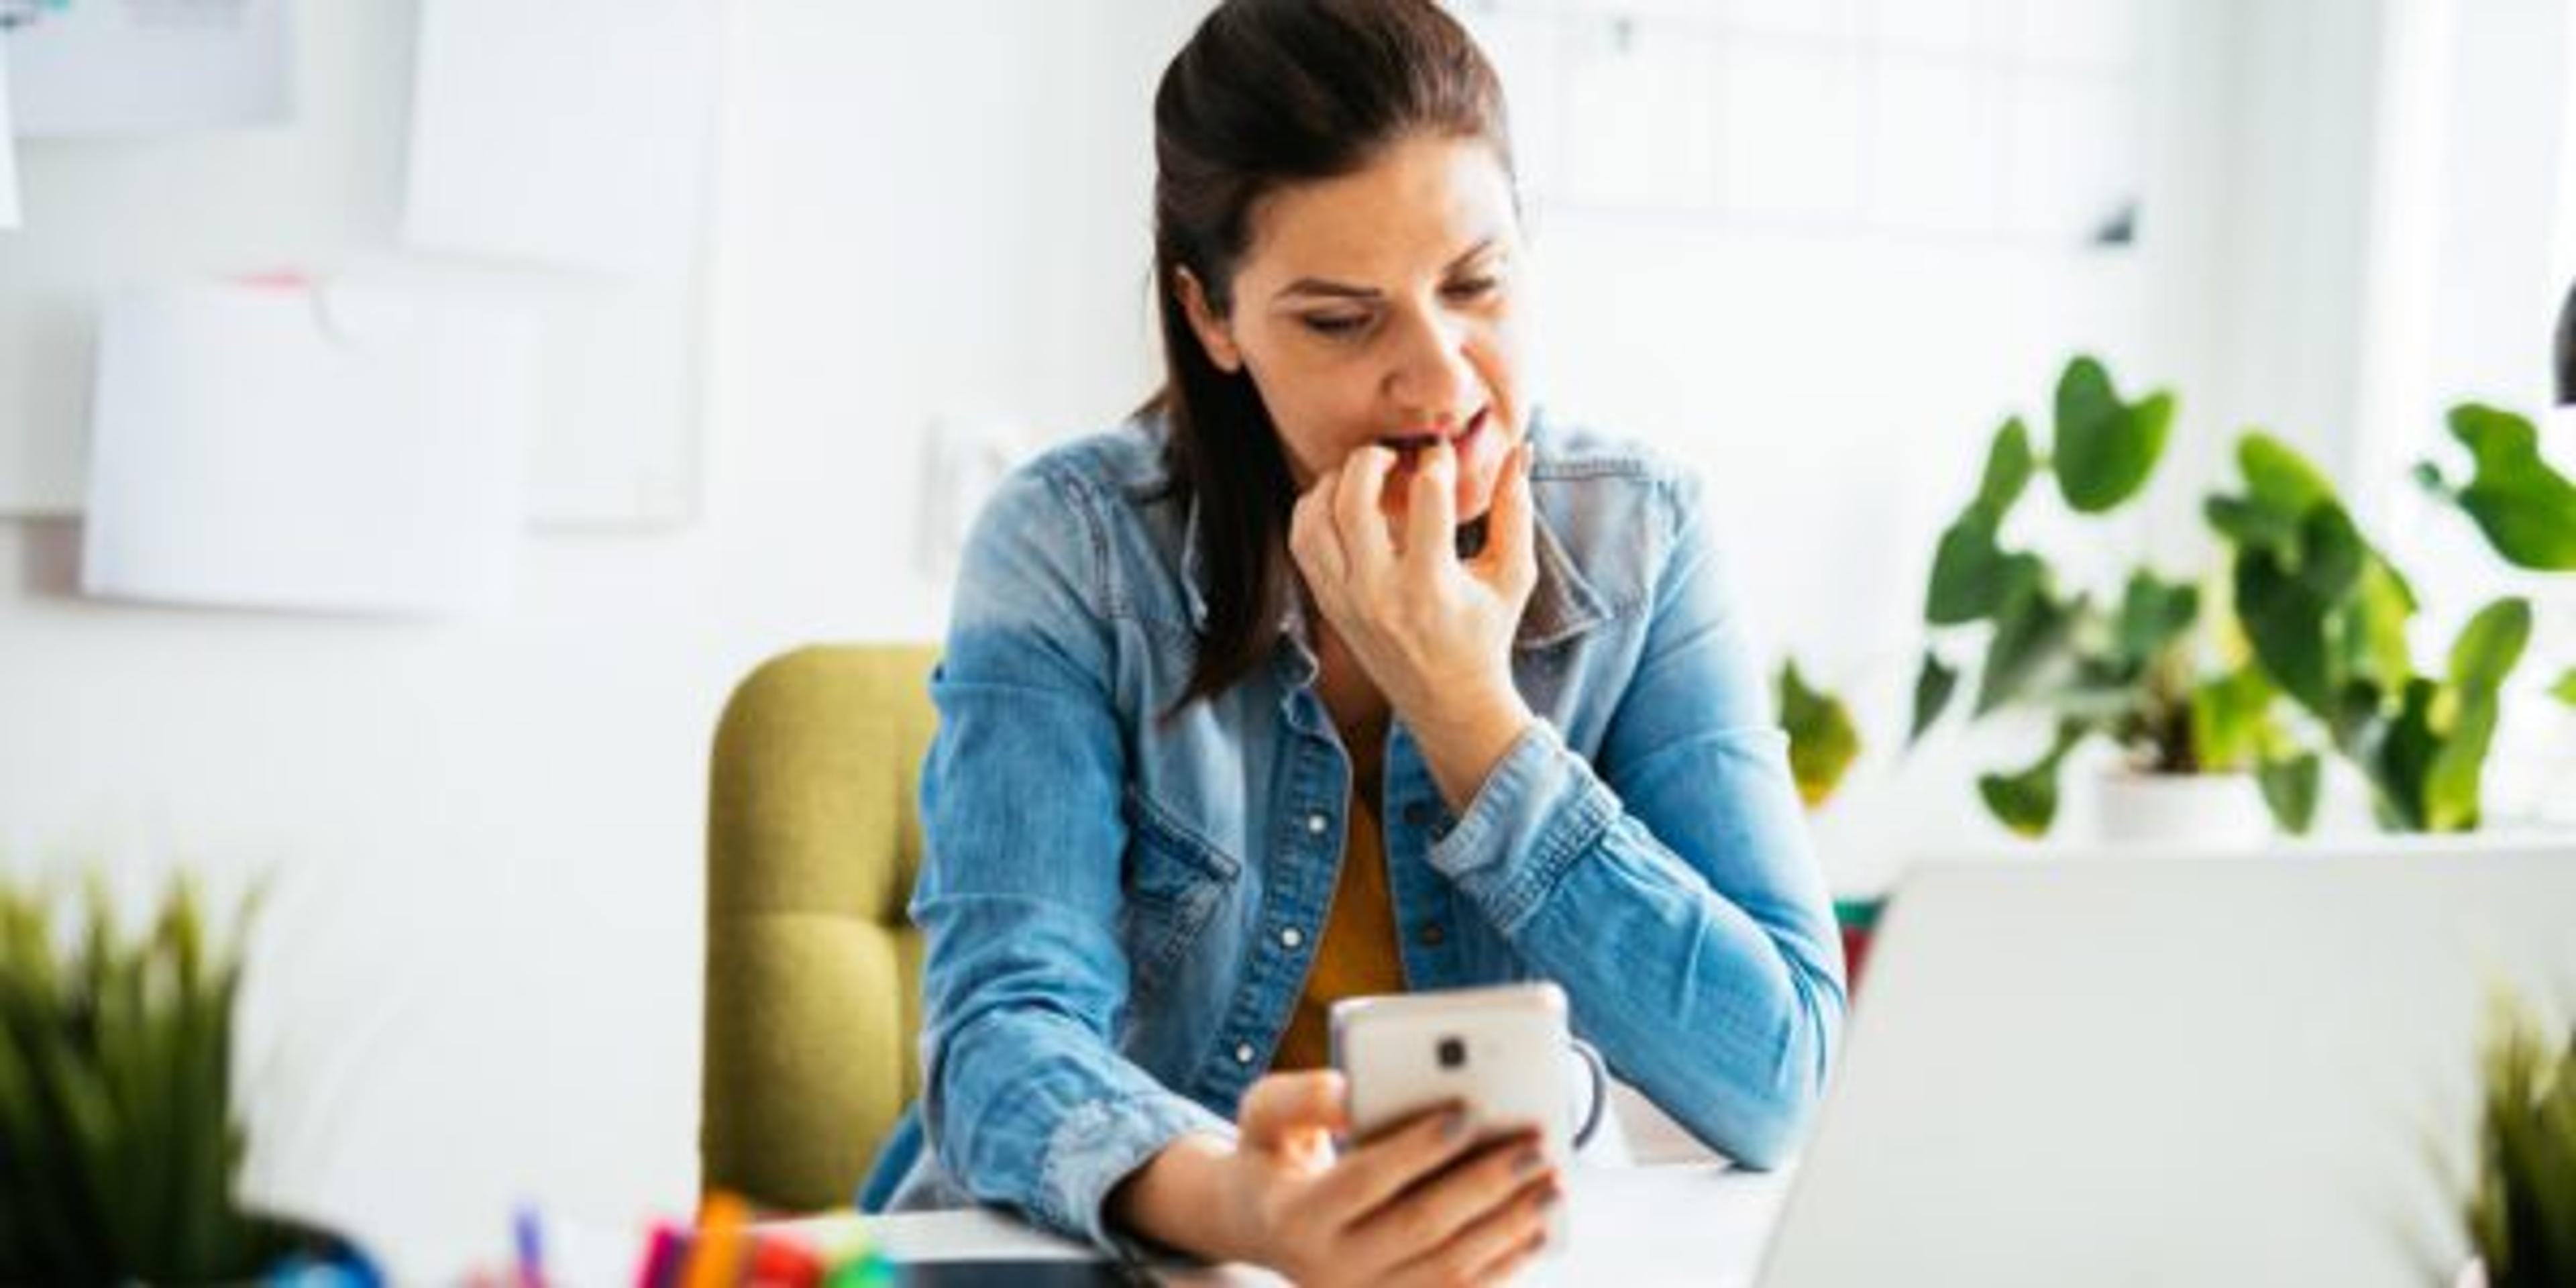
x: 780, y: 1263
x: 1857, y: 919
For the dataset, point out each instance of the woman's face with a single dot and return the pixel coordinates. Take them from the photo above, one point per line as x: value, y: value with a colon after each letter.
x: 1378, y: 308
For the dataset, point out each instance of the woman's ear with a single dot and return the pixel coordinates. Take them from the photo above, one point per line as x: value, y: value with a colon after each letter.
x: 1214, y: 336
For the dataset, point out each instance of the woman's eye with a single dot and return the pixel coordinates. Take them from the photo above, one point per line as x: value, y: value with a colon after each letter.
x: 1335, y: 324
x: 1474, y: 288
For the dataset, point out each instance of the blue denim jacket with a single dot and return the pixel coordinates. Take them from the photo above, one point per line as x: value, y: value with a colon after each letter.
x: 1120, y: 909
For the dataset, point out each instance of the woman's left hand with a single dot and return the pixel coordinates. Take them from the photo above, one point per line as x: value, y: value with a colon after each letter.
x: 1434, y: 631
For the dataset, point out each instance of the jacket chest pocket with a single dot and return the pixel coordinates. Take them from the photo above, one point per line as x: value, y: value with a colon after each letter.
x: 1172, y: 884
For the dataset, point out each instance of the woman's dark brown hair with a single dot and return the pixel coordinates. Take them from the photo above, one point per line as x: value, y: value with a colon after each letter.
x: 1267, y: 94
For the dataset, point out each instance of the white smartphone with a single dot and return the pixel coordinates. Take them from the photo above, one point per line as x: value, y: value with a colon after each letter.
x: 1499, y: 1052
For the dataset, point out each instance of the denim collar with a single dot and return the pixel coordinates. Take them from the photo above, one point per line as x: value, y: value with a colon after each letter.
x: 1562, y: 603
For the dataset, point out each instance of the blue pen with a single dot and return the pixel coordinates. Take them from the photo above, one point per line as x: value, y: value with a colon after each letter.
x: 532, y: 1248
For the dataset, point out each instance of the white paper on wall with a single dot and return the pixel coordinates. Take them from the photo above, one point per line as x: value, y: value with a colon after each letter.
x: 345, y: 448
x: 572, y: 132
x: 142, y: 67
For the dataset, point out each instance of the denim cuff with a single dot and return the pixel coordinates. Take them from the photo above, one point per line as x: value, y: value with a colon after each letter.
x: 1101, y: 1143
x: 1538, y: 810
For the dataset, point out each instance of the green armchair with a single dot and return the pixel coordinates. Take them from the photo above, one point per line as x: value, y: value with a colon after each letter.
x: 813, y: 972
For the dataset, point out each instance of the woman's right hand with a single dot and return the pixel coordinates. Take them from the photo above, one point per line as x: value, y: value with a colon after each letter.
x: 1421, y: 1203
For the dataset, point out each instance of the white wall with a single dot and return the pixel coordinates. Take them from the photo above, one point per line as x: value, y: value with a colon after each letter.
x: 481, y: 972
x: 485, y: 948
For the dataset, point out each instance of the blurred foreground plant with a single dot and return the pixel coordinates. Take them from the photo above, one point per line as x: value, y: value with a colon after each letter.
x: 119, y: 1143
x: 2522, y: 1209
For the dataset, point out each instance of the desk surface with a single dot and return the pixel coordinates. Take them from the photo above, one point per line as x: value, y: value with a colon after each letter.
x: 1695, y: 1223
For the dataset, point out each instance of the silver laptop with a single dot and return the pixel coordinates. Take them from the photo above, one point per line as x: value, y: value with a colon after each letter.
x: 2245, y: 1070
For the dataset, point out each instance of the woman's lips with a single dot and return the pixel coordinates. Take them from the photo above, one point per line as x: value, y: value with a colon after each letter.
x: 1478, y: 457
x: 1410, y: 445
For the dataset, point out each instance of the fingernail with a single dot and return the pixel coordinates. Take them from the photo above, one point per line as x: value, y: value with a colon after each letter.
x: 1528, y: 1163
x: 1453, y: 1124
x: 1549, y: 1198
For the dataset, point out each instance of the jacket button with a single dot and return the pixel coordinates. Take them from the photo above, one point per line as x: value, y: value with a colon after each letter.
x: 1243, y: 1053
x: 1316, y: 823
x: 1291, y: 937
x: 1431, y: 935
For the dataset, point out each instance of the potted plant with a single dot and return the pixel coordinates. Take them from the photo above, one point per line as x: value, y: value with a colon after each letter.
x: 120, y: 1141
x: 2148, y: 669
x: 2327, y: 616
x: 2521, y: 1210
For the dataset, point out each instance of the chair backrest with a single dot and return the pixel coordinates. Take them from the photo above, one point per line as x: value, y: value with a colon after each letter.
x: 813, y: 972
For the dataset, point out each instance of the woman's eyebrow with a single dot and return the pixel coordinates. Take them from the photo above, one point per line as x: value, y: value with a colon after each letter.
x: 1471, y: 254
x: 1326, y: 289
x: 1329, y: 290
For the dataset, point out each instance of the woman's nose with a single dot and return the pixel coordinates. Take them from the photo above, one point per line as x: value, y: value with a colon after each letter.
x: 1432, y: 380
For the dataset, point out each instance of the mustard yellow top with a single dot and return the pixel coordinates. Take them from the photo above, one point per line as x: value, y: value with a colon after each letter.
x: 1357, y: 954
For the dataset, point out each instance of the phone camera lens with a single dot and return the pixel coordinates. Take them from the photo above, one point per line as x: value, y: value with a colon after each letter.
x: 1453, y: 1052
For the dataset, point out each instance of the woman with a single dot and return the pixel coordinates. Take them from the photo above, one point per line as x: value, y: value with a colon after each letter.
x: 1335, y: 673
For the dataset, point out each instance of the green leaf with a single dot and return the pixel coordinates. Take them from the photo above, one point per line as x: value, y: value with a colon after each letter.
x: 1823, y: 741
x: 2285, y: 620
x: 1971, y: 576
x: 2026, y: 802
x: 2526, y: 508
x: 2290, y: 789
x: 2278, y: 478
x: 2397, y: 754
x: 2452, y: 781
x: 2331, y: 551
x: 2373, y: 626
x: 2009, y: 465
x: 2031, y: 632
x: 2230, y: 719
x: 1932, y: 688
x: 2154, y: 614
x: 2485, y: 654
x: 2565, y: 689
x: 2105, y: 448
x: 2490, y: 646
x: 2253, y: 526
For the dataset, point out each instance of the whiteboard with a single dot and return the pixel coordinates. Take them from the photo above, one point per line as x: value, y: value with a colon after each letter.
x: 616, y: 438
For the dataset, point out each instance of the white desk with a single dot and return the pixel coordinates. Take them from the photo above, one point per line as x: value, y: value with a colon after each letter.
x: 1695, y: 1223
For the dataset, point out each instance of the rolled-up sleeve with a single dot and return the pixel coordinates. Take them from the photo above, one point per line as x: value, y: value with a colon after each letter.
x: 1668, y: 882
x: 1026, y: 1100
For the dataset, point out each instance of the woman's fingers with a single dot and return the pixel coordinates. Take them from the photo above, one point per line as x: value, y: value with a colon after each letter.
x: 1441, y: 1208
x: 1355, y: 508
x: 1431, y: 512
x: 1496, y: 1245
x: 1509, y: 561
x: 1373, y: 1174
x: 1281, y: 1106
x: 1314, y: 535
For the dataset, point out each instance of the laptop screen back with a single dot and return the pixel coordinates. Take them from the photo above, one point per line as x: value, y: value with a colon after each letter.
x: 2255, y: 1069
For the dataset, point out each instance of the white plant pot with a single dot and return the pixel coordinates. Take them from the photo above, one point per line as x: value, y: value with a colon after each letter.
x: 2181, y: 811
